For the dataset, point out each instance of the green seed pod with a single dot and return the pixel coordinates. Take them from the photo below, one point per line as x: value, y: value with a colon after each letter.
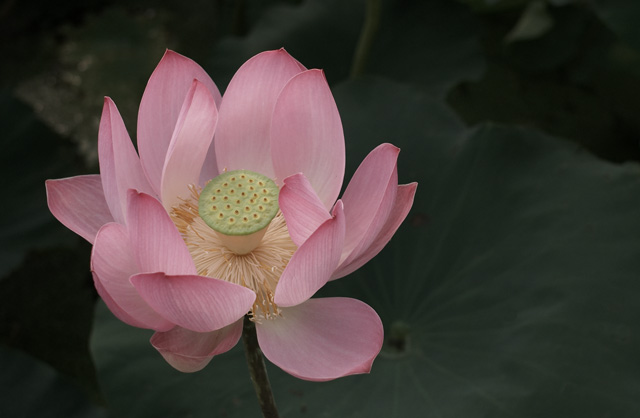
x: 239, y: 202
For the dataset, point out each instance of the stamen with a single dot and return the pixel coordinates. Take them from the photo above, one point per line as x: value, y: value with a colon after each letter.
x: 259, y: 270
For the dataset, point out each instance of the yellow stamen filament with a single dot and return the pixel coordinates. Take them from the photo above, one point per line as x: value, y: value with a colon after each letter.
x: 258, y: 270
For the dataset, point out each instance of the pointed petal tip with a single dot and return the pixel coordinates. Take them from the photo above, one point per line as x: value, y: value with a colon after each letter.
x: 281, y: 50
x: 318, y: 71
x: 132, y: 194
x: 170, y: 53
x: 338, y: 208
x: 293, y: 177
x: 79, y: 204
x: 135, y: 193
x: 388, y: 146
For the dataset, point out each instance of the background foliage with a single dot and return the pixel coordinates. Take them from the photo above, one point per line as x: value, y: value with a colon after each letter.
x: 511, y: 290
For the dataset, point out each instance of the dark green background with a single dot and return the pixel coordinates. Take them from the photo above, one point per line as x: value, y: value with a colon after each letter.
x: 511, y: 290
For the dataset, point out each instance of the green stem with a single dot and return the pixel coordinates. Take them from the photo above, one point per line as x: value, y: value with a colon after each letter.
x: 258, y: 371
x: 368, y: 33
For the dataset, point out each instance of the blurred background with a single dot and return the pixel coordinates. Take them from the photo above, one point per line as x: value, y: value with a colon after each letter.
x: 511, y: 290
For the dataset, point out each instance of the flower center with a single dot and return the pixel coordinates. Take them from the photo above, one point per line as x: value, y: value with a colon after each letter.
x: 239, y: 205
x: 257, y: 254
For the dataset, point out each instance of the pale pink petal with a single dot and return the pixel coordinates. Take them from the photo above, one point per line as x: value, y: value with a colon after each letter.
x: 401, y: 207
x: 323, y: 339
x: 301, y: 207
x: 112, y: 263
x: 198, y: 303
x: 155, y: 240
x: 115, y: 309
x: 79, y: 204
x: 188, y: 149
x: 369, y: 198
x: 379, y: 218
x: 307, y: 136
x: 160, y: 108
x: 313, y: 263
x: 242, y: 137
x: 120, y: 168
x: 189, y: 351
x: 209, y: 167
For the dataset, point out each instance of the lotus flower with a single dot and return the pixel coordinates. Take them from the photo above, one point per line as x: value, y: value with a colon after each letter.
x: 195, y: 233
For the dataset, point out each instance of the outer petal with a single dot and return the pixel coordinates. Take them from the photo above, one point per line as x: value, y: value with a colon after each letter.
x: 113, y: 264
x: 79, y: 204
x: 302, y: 208
x: 190, y: 351
x: 120, y: 168
x: 401, y: 207
x: 307, y: 136
x: 242, y: 136
x: 313, y: 263
x: 369, y: 198
x: 323, y: 339
x: 160, y: 108
x: 197, y: 303
x: 188, y: 149
x: 156, y: 243
x: 115, y: 309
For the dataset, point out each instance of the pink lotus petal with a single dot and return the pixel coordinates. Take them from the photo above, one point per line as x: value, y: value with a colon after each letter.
x: 307, y: 136
x: 379, y: 219
x: 160, y: 108
x: 155, y: 240
x: 302, y: 208
x: 115, y: 309
x: 189, y: 351
x: 369, y: 198
x: 323, y: 339
x: 210, y: 166
x: 113, y: 264
x: 242, y: 137
x: 401, y: 207
x: 313, y: 263
x: 120, y: 168
x: 79, y: 204
x: 197, y: 303
x: 188, y: 149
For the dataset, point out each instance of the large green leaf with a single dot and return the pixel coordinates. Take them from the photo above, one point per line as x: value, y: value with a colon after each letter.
x: 31, y: 388
x: 511, y: 291
x: 432, y: 44
x: 576, y: 81
x: 319, y: 33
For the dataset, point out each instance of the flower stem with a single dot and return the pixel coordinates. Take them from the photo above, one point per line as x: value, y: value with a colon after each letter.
x: 258, y: 371
x: 368, y: 33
